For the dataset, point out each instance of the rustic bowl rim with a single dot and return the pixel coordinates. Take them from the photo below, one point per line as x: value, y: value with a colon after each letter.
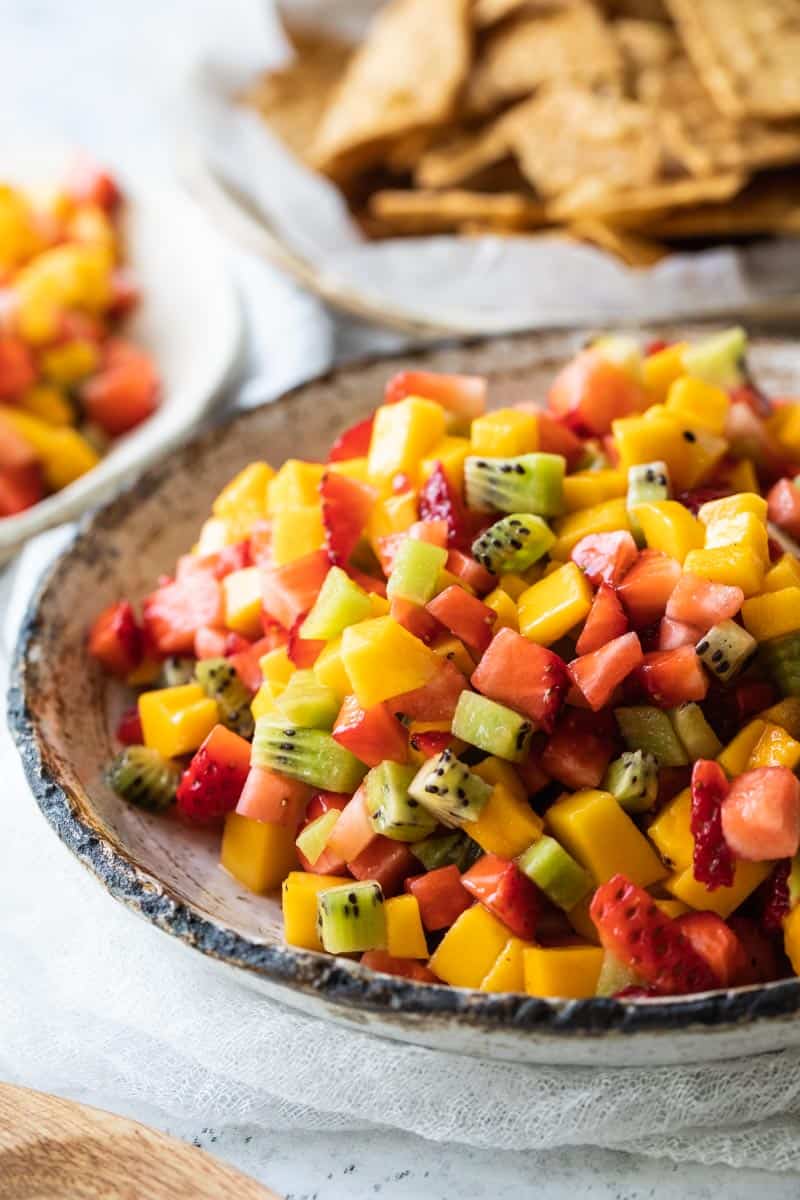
x: 337, y: 981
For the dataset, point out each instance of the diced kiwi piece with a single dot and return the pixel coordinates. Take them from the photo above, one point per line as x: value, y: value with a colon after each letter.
x: 594, y: 457
x: 447, y: 849
x: 725, y: 649
x: 632, y: 780
x: 718, y: 359
x: 531, y: 483
x: 144, y: 777
x: 691, y: 726
x: 650, y: 729
x: 312, y: 840
x: 781, y: 656
x: 219, y: 679
x: 176, y: 671
x: 513, y: 543
x: 351, y: 918
x: 310, y: 755
x: 340, y: 602
x: 449, y: 790
x: 555, y: 872
x: 614, y: 976
x: 491, y: 727
x: 392, y: 812
x: 415, y: 571
x: 309, y: 703
x: 647, y: 483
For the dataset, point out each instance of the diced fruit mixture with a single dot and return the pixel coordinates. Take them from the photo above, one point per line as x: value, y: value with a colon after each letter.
x: 70, y: 382
x: 491, y: 715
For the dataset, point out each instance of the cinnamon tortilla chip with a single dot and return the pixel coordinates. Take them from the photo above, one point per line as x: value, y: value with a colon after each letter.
x: 488, y: 12
x: 637, y: 206
x: 463, y: 155
x: 768, y: 205
x: 440, y: 212
x: 632, y: 249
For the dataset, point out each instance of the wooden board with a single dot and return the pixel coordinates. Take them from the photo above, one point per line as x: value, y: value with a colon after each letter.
x: 52, y: 1149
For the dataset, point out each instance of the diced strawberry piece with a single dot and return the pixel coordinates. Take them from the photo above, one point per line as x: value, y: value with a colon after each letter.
x: 327, y: 863
x: 783, y: 501
x: 346, y: 505
x: 672, y: 677
x: 430, y: 742
x: 15, y: 451
x: 116, y: 639
x: 129, y: 728
x: 210, y: 643
x: 432, y: 530
x: 716, y: 943
x: 303, y: 652
x: 272, y: 798
x: 467, y: 617
x: 776, y: 898
x: 439, y: 501
x: 173, y: 613
x: 373, y: 734
x: 353, y: 832
x: 290, y: 590
x: 464, y: 395
x: 632, y: 927
x: 555, y: 437
x: 232, y: 558
x: 590, y: 392
x: 712, y: 859
x: 674, y: 634
x: 509, y: 895
x: 415, y: 619
x: 699, y: 602
x: 211, y: 785
x: 353, y: 443
x: 89, y: 184
x: 17, y: 368
x: 754, y: 398
x: 761, y: 814
x: 435, y: 700
x: 578, y: 752
x: 695, y: 498
x: 246, y: 662
x: 121, y: 396
x: 470, y: 571
x: 386, y: 861
x: 647, y: 586
x: 655, y: 346
x: 599, y: 673
x: 125, y: 293
x: 441, y: 896
x: 387, y: 547
x: 20, y: 488
x: 762, y: 962
x: 605, y: 557
x: 260, y: 543
x: 634, y: 992
x: 404, y: 968
x: 753, y: 696
x: 527, y: 677
x: 606, y: 621
x: 532, y: 775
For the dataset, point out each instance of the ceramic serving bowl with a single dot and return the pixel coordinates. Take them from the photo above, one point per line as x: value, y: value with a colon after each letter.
x: 63, y: 712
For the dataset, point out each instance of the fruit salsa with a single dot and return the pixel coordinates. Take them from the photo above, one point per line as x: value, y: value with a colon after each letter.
x: 69, y: 383
x: 507, y: 699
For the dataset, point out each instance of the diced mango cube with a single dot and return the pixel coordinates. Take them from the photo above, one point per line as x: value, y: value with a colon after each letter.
x: 244, y: 500
x: 382, y: 659
x: 403, y: 434
x: 65, y: 455
x: 295, y: 485
x: 241, y: 591
x: 299, y: 902
x: 581, y: 921
x: 296, y: 532
x: 733, y: 506
x: 669, y: 527
x: 259, y: 854
x: 785, y: 424
x: 276, y: 666
x: 329, y: 668
x: 508, y: 973
x: 506, y: 609
x: 775, y: 748
x: 671, y: 831
x: 263, y: 703
x: 744, y: 530
x: 70, y: 362
x: 405, y: 937
x: 773, y: 614
x: 586, y: 489
x: 739, y: 476
x: 469, y: 949
x: 736, y: 755
x: 785, y: 573
x: 505, y: 433
x: 791, y: 938
x: 515, y: 584
x: 785, y: 713
x: 672, y: 908
x: 497, y: 770
x: 660, y: 370
x: 454, y: 649
x: 451, y: 452
x: 507, y: 824
x: 732, y: 565
x: 351, y: 468
x: 569, y: 972
x: 49, y: 404
x: 553, y: 605
x: 690, y: 452
x: 607, y: 517
x: 723, y: 900
x: 393, y: 514
x: 176, y: 720
x: 696, y: 401
x: 596, y: 831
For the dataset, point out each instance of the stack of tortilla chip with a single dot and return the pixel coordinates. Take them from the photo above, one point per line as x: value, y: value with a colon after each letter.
x: 631, y: 124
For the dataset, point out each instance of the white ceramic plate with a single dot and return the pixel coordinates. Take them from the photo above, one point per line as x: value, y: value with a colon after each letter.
x: 190, y: 321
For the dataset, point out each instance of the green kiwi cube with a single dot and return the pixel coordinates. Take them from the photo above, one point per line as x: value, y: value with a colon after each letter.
x: 725, y: 649
x: 529, y: 483
x: 309, y: 703
x: 312, y: 840
x: 614, y: 976
x: 718, y: 359
x: 392, y: 811
x: 781, y: 657
x: 449, y: 849
x: 415, y: 571
x: 555, y: 872
x: 310, y: 755
x: 144, y: 777
x: 632, y: 779
x: 339, y: 603
x: 220, y: 680
x: 351, y: 918
x: 449, y: 790
x: 644, y: 727
x: 513, y: 543
x: 491, y: 727
x: 647, y: 483
x: 691, y: 726
x: 176, y: 671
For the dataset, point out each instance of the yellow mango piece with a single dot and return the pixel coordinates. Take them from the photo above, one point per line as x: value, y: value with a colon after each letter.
x: 791, y: 938
x: 740, y: 476
x: 585, y: 489
x: 772, y: 614
x: 352, y: 468
x: 244, y: 500
x: 733, y: 565
x: 454, y: 649
x: 257, y: 853
x: 581, y: 921
x: 39, y: 308
x: 379, y: 604
x: 607, y: 517
x: 79, y: 275
x: 698, y: 402
x: 506, y: 609
x: 241, y: 595
x: 506, y: 825
x: 70, y: 362
x: 785, y: 573
x: 514, y: 585
x: 63, y: 453
x: 213, y: 537
x: 671, y: 831
x: 775, y: 748
x: 295, y: 485
x: 49, y: 404
x: 176, y: 720
x: 785, y: 713
x: 744, y: 530
x: 382, y: 659
x: 90, y: 224
x: 505, y: 433
x: 451, y: 453
x: 147, y: 672
x: 733, y: 506
x: 329, y: 668
x: 507, y: 973
x: 470, y: 948
x: 690, y: 452
x: 394, y: 514
x: 669, y: 527
x: 724, y: 900
x: 785, y: 425
x: 403, y: 434
x: 299, y: 903
x: 497, y: 770
x: 596, y: 831
x: 263, y: 703
x: 296, y: 532
x: 660, y: 370
x: 569, y: 972
x: 276, y: 666
x: 19, y: 238
x: 552, y: 606
x: 405, y: 937
x: 672, y: 908
x: 736, y: 755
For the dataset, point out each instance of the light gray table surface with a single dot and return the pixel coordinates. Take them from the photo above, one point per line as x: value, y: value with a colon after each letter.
x: 104, y: 74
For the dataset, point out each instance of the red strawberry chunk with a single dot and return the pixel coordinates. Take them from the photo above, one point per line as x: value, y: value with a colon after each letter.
x: 388, y: 862
x: 415, y: 619
x: 441, y: 896
x: 697, y: 497
x: 174, y: 612
x: 211, y: 785
x: 509, y: 895
x: 606, y: 621
x: 674, y: 634
x: 761, y: 814
x: 470, y: 571
x: 430, y: 742
x: 672, y: 677
x: 527, y: 677
x: 346, y: 506
x: 783, y: 501
x: 129, y: 728
x: 647, y: 587
x: 116, y: 639
x: 245, y: 662
x: 713, y: 862
x: 438, y: 501
x: 303, y: 652
x: 699, y: 602
x: 353, y: 443
x: 599, y: 673
x: 463, y: 395
x: 578, y: 751
x: 17, y: 368
x: 467, y: 617
x: 291, y: 590
x: 434, y: 701
x: 328, y: 863
x: 555, y: 437
x: 761, y: 958
x: 776, y: 900
x: 372, y: 734
x: 632, y: 927
x: 605, y: 557
x: 403, y: 968
x: 590, y: 392
x: 716, y: 943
